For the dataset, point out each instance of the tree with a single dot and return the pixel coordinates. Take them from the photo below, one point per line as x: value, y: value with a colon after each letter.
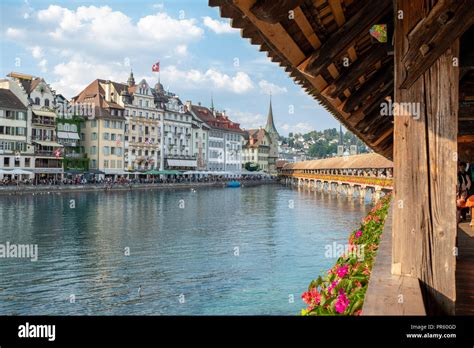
x: 251, y: 166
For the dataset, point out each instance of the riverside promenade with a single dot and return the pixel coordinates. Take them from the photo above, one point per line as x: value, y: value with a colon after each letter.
x: 47, y: 189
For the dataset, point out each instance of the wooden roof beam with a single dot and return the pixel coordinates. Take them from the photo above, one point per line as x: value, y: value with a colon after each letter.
x: 466, y: 111
x: 271, y: 11
x: 343, y: 38
x: 352, y: 73
x: 337, y: 11
x: 434, y: 34
x: 384, y: 75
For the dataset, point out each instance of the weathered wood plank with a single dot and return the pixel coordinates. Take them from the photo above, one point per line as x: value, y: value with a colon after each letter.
x: 425, y: 141
x: 390, y: 294
x: 445, y: 23
x: 343, y: 38
x: 306, y: 28
x: 272, y: 11
x: 275, y: 33
x: 337, y: 11
x: 351, y: 74
x: 384, y: 75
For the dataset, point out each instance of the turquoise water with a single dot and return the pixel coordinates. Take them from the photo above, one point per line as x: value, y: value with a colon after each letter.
x: 216, y: 251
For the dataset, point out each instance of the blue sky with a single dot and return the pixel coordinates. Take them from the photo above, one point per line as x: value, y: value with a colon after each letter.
x: 71, y: 43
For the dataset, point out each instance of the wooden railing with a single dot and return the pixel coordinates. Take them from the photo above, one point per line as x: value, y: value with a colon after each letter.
x: 390, y: 294
x: 362, y: 180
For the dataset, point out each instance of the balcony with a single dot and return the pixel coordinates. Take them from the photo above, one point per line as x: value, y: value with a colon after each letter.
x: 45, y: 153
x: 44, y: 121
x: 43, y: 138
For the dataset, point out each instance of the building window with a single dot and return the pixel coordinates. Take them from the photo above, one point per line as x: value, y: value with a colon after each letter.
x: 94, y: 123
x: 37, y: 101
x: 27, y: 162
x: 46, y: 102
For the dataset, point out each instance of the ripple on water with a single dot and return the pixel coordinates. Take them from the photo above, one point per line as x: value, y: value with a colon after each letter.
x: 228, y: 251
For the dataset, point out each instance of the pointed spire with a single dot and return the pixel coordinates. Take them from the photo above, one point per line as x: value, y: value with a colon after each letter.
x: 212, y: 102
x: 270, y: 126
x: 131, y: 79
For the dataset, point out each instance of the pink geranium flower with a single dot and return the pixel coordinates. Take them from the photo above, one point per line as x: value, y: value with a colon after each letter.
x: 358, y: 234
x: 312, y: 297
x: 342, y: 271
x: 333, y: 284
x: 341, y: 303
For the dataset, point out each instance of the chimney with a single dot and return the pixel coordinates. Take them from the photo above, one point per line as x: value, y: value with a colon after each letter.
x: 107, y: 90
x: 189, y: 104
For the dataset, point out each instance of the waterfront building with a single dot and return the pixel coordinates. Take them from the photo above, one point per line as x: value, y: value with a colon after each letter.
x: 178, y: 126
x: 103, y: 131
x: 39, y: 98
x: 15, y: 152
x: 142, y: 127
x: 199, y: 138
x: 68, y: 125
x: 274, y: 138
x: 256, y: 149
x: 224, y: 141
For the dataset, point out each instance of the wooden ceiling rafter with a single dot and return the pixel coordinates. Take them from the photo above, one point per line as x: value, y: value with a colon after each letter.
x: 341, y: 40
x: 275, y: 40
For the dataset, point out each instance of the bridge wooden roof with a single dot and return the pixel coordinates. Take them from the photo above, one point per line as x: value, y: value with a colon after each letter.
x: 326, y: 47
x: 362, y: 161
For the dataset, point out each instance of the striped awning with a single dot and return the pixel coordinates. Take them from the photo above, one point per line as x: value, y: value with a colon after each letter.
x: 44, y: 113
x: 182, y: 163
x: 48, y: 143
x: 68, y: 135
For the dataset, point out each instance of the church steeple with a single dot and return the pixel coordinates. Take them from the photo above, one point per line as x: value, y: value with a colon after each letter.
x: 212, y: 103
x: 131, y: 79
x: 270, y: 126
x: 340, y: 135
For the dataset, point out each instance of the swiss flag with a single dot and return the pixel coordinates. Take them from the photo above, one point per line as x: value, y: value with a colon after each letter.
x: 156, y: 67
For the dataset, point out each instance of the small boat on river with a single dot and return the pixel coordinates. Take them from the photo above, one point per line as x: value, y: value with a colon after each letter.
x: 233, y: 184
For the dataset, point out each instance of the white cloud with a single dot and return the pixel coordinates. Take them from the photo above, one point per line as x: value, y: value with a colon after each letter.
x: 268, y: 87
x: 42, y: 65
x: 36, y: 52
x: 14, y: 33
x: 300, y: 127
x: 239, y: 83
x: 219, y: 27
x: 247, y: 120
x: 181, y: 50
x: 102, y: 33
x: 74, y: 75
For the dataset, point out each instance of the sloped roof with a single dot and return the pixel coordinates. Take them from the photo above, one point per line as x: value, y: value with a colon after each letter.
x: 94, y: 93
x: 219, y: 121
x: 257, y: 135
x: 9, y: 101
x: 362, y: 161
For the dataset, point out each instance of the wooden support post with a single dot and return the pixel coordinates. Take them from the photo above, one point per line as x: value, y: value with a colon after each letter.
x: 362, y: 192
x: 425, y: 144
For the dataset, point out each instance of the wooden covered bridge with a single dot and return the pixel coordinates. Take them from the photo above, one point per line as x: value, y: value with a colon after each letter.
x: 356, y: 175
x: 400, y: 75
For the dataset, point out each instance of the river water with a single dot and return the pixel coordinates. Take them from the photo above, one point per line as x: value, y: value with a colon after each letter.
x: 215, y: 251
